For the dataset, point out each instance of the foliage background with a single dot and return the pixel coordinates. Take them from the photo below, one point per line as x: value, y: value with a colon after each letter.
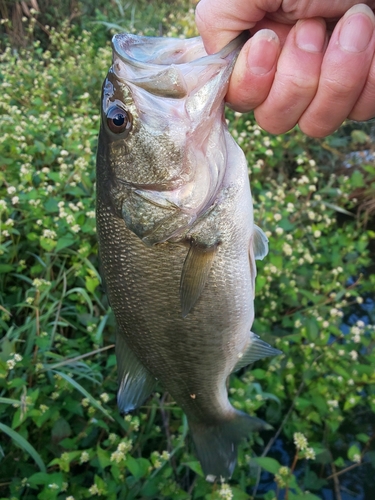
x: 61, y: 434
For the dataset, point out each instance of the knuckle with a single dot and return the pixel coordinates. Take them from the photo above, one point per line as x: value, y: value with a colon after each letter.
x: 339, y: 87
x: 315, y: 128
x: 298, y: 84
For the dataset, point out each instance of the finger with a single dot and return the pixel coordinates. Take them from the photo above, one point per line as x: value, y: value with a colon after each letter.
x: 293, y: 10
x: 281, y: 30
x: 296, y: 79
x: 364, y: 108
x: 220, y: 21
x: 344, y: 72
x: 254, y: 71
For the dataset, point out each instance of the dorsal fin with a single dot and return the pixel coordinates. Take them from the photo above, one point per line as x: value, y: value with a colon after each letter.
x: 257, y: 349
x: 194, y: 274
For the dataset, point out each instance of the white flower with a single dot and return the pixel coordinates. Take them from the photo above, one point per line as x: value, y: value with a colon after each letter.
x: 311, y: 215
x: 279, y: 231
x: 15, y: 200
x: 49, y: 233
x: 359, y: 300
x: 317, y: 233
x: 334, y: 312
x: 112, y: 437
x: 290, y: 207
x: 117, y: 456
x: 357, y: 458
x: 333, y: 403
x: 94, y: 490
x: 287, y: 249
x: 104, y: 397
x: 300, y: 441
x: 85, y: 457
x: 226, y: 492
x: 310, y: 454
x: 353, y: 355
x: 124, y: 446
x: 76, y: 228
x: 277, y: 217
x: 11, y: 190
x: 11, y: 364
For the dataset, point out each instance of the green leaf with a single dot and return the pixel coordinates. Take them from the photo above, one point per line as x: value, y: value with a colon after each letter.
x: 239, y: 494
x: 103, y: 457
x: 303, y: 496
x: 195, y: 467
x: 64, y: 242
x: 268, y: 464
x: 21, y: 441
x: 353, y: 451
x: 363, y: 437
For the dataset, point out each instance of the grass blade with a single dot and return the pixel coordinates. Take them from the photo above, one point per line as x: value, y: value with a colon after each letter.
x: 83, y: 391
x: 8, y: 401
x: 25, y: 445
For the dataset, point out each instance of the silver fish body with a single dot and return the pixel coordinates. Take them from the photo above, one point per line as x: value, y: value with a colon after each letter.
x: 176, y: 236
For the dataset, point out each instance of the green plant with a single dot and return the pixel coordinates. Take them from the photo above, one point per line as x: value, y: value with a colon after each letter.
x: 62, y: 435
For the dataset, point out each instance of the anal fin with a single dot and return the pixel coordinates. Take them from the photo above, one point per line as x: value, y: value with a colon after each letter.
x: 256, y: 350
x: 194, y: 274
x: 135, y: 382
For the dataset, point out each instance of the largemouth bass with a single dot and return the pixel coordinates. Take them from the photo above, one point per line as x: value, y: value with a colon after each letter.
x: 176, y: 235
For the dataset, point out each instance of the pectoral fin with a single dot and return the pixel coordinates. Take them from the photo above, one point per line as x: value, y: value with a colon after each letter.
x: 260, y: 243
x: 257, y: 349
x: 135, y: 382
x: 194, y: 274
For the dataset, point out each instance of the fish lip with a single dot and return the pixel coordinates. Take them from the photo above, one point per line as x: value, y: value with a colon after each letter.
x: 122, y: 44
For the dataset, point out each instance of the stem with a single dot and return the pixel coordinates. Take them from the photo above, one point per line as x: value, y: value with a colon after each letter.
x: 336, y: 482
x: 273, y: 439
x: 293, y: 466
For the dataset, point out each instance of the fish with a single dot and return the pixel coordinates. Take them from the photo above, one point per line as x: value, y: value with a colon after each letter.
x: 177, y: 239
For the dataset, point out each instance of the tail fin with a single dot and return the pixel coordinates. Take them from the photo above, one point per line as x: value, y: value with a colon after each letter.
x: 216, y: 445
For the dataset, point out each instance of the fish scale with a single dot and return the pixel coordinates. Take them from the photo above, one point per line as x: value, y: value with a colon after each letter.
x: 178, y: 255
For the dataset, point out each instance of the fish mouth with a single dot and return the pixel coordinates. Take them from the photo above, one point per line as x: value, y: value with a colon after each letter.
x: 169, y: 67
x: 143, y: 52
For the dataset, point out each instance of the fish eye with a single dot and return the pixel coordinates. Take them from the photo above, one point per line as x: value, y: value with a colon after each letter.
x: 119, y: 120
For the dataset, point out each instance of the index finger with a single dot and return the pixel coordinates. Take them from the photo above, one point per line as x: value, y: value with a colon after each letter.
x: 220, y: 21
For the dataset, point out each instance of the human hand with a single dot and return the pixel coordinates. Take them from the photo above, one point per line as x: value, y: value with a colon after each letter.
x: 294, y: 69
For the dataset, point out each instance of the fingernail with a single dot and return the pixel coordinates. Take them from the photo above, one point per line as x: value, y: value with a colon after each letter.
x: 358, y: 28
x: 310, y: 35
x: 263, y: 51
